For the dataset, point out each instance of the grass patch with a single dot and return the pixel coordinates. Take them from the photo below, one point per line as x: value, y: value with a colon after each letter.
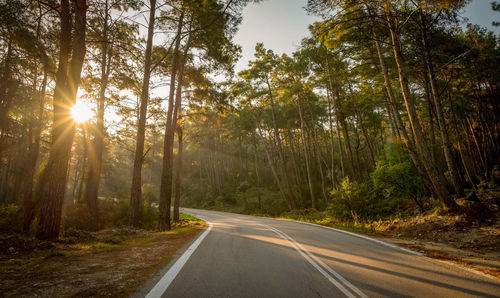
x: 184, y: 216
x: 181, y: 230
x: 103, y: 245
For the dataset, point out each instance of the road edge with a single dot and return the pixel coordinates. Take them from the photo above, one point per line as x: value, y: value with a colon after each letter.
x: 145, y: 288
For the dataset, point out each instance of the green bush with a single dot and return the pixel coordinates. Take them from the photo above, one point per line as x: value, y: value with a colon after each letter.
x: 397, y: 182
x: 11, y: 218
x: 349, y: 200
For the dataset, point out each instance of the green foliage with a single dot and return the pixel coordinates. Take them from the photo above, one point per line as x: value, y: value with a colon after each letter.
x: 349, y: 200
x: 252, y: 199
x: 11, y: 218
x: 391, y: 188
x: 397, y: 182
x: 395, y: 179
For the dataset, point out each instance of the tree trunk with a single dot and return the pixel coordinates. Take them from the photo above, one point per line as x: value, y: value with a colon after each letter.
x: 178, y: 173
x: 95, y: 154
x: 136, y: 190
x: 281, y: 153
x: 166, y: 174
x: 367, y: 138
x: 336, y: 111
x: 52, y: 184
x: 273, y: 168
x: 432, y: 171
x: 33, y: 152
x: 5, y: 91
x: 320, y: 166
x: 332, y: 147
x: 256, y: 161
x: 306, y: 154
x: 445, y: 139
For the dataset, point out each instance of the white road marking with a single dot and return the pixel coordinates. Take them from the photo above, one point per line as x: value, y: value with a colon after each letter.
x: 345, y: 232
x: 359, y: 236
x: 167, y: 279
x: 318, y: 264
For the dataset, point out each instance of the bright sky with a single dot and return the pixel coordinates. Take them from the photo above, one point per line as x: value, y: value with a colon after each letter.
x: 281, y: 24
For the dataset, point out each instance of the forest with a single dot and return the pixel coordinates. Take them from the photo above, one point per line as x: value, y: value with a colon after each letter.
x: 114, y: 111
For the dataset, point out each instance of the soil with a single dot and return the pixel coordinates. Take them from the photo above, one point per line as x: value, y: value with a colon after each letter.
x: 470, y: 237
x: 108, y: 263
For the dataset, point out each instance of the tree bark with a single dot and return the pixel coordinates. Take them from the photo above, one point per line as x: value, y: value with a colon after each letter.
x: 332, y: 147
x: 281, y: 153
x: 306, y: 155
x: 97, y: 147
x: 33, y: 152
x: 136, y: 190
x: 166, y: 173
x: 336, y: 111
x: 52, y: 184
x: 178, y: 173
x: 273, y: 169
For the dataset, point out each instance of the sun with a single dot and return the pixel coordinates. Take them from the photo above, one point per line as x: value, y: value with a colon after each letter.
x: 81, y: 112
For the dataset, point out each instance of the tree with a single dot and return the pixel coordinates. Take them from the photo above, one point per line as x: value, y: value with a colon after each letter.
x: 52, y: 183
x: 135, y: 194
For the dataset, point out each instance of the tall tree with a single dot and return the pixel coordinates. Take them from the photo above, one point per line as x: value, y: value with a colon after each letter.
x: 52, y: 185
x: 136, y: 189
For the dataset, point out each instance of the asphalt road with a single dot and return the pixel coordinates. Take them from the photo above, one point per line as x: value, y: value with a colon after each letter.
x: 245, y: 256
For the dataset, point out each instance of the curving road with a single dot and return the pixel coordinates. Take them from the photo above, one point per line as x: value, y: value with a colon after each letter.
x: 246, y: 256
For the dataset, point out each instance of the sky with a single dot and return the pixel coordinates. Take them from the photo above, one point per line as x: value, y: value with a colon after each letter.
x: 281, y: 24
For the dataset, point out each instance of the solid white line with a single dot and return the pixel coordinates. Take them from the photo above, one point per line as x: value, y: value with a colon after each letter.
x: 167, y: 279
x: 305, y: 253
x: 358, y: 235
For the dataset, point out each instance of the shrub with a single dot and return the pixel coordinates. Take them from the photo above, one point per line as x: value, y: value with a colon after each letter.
x: 11, y: 218
x: 397, y: 182
x: 349, y: 200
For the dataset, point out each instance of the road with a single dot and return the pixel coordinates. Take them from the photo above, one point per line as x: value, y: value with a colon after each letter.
x: 245, y: 256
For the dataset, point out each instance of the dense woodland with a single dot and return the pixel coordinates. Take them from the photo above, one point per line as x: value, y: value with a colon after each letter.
x: 387, y: 106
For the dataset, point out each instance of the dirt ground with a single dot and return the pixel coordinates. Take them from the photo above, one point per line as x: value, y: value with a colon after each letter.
x: 109, y: 263
x: 471, y: 239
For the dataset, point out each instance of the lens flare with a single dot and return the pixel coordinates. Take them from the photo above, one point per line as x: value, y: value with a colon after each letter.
x: 81, y: 112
